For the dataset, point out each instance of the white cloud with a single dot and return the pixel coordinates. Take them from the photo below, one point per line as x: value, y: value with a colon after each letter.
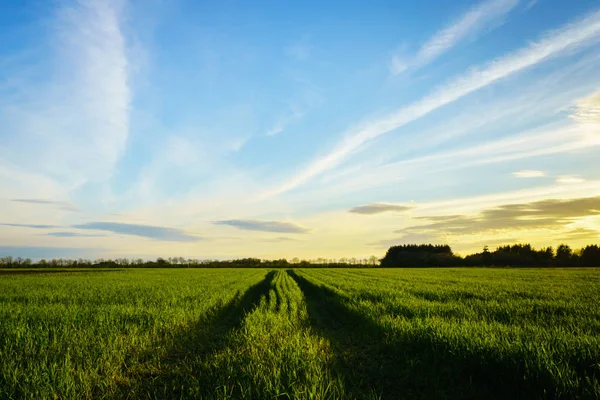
x: 529, y: 174
x: 479, y: 17
x: 298, y: 107
x: 553, y: 44
x: 74, y: 125
x: 16, y: 182
x: 587, y: 110
x: 530, y: 4
x: 276, y: 129
x: 533, y: 100
x: 569, y: 179
x: 539, y: 142
x: 470, y: 204
x: 398, y: 65
x: 378, y: 208
x: 294, y: 114
x: 176, y: 154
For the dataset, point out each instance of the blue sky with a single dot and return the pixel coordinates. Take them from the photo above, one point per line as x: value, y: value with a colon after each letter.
x: 230, y: 129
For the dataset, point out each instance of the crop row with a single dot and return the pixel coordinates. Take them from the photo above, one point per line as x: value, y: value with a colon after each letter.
x: 305, y: 334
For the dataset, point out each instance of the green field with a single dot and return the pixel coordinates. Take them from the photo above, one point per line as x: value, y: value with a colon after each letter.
x: 305, y: 333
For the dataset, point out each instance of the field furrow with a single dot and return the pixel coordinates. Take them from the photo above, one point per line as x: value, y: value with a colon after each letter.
x: 80, y: 335
x: 300, y: 334
x: 262, y: 348
x: 421, y: 332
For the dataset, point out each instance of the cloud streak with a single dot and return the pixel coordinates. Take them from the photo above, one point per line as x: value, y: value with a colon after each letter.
x: 72, y: 234
x: 264, y: 226
x: 405, y: 239
x: 587, y: 110
x: 526, y: 145
x: 295, y: 114
x: 581, y: 234
x: 529, y: 174
x: 478, y: 18
x: 93, y: 36
x: 58, y: 204
x: 378, y: 208
x: 552, y: 44
x: 545, y: 214
x: 73, y: 125
x: 569, y: 179
x: 146, y: 231
x: 33, y: 226
x: 281, y: 239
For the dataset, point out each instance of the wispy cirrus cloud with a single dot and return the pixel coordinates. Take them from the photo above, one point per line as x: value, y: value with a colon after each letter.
x: 587, y: 110
x: 308, y: 97
x: 581, y: 234
x: 33, y: 226
x: 378, y: 208
x: 394, y: 158
x: 146, y: 231
x: 264, y: 226
x: 525, y: 145
x: 520, y: 106
x: 281, y: 239
x: 406, y: 239
x: 72, y: 234
x: 487, y: 14
x: 569, y: 179
x: 73, y: 124
x: 294, y: 114
x: 531, y: 4
x: 556, y: 214
x: 62, y: 205
x: 529, y: 174
x: 552, y: 44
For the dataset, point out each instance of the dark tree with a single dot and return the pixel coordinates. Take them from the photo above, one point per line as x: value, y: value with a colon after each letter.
x: 590, y: 256
x: 563, y: 254
x: 426, y: 255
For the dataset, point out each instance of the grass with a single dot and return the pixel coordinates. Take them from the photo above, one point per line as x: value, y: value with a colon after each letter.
x: 300, y: 334
x: 78, y: 335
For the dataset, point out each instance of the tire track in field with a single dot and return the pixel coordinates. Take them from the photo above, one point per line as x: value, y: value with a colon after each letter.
x: 377, y: 362
x: 276, y: 354
x: 201, y: 339
x: 258, y: 346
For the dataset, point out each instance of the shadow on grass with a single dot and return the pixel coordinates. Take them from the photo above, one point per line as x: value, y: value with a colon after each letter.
x: 185, y: 370
x: 376, y: 361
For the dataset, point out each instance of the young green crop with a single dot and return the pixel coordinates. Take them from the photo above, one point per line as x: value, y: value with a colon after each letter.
x: 261, y: 348
x: 78, y: 335
x: 304, y: 334
x: 462, y: 333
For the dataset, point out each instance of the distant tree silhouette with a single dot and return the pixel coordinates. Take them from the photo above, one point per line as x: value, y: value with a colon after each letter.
x: 590, y: 256
x: 563, y: 254
x: 407, y: 255
x: 524, y: 255
x: 423, y: 255
x: 161, y: 262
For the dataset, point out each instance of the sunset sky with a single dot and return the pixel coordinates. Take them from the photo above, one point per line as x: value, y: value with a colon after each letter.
x: 226, y: 129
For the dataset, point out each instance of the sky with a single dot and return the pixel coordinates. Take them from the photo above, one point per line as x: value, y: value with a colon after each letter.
x: 227, y: 129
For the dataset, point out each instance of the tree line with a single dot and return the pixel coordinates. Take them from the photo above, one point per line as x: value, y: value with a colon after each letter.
x: 181, y: 262
x: 402, y: 256
x: 517, y: 255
